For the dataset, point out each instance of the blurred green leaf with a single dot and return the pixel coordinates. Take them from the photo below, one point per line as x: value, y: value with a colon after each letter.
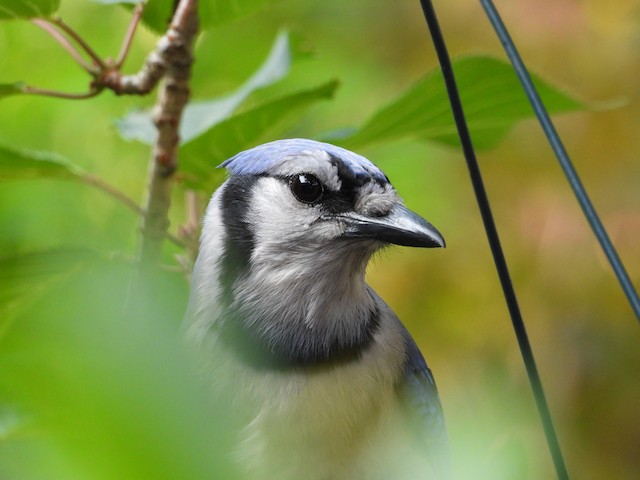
x: 108, y: 386
x: 115, y: 2
x: 138, y: 125
x: 199, y: 116
x: 19, y: 163
x: 212, y: 13
x: 27, y: 276
x: 202, y: 115
x: 23, y: 164
x: 7, y: 89
x: 200, y: 157
x: 493, y: 102
x: 217, y: 12
x: 16, y: 9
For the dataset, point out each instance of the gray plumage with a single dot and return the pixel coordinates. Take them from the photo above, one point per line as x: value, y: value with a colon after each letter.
x: 326, y: 381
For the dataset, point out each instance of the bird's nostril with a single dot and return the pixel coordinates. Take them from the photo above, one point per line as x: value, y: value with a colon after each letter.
x: 377, y: 209
x: 378, y: 213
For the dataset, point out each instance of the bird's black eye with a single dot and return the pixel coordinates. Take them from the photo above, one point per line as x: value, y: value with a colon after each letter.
x: 306, y: 187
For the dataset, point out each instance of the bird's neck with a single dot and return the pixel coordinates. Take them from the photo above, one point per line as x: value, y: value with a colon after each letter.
x: 307, y: 307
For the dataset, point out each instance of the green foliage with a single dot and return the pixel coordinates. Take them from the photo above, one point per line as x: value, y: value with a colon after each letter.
x: 124, y: 2
x: 20, y: 163
x: 22, y: 9
x: 493, y: 102
x: 255, y: 126
x: 201, y: 115
x: 213, y: 13
x: 24, y: 277
x: 7, y: 89
x: 108, y: 391
x: 93, y: 381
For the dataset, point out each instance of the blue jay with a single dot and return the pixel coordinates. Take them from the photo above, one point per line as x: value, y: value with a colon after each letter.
x: 326, y: 381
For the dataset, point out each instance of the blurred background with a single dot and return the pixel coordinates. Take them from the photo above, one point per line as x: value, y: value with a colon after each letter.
x: 91, y: 391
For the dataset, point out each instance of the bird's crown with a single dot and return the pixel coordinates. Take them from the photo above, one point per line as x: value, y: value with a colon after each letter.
x: 276, y: 156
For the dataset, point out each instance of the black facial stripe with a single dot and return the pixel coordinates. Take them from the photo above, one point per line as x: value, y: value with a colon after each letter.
x: 339, y: 202
x: 239, y: 242
x: 351, y: 181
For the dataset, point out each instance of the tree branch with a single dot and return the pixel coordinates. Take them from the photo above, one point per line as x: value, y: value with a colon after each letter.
x: 176, y: 48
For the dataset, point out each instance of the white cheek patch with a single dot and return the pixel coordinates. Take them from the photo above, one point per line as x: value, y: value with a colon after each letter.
x: 276, y: 217
x: 272, y: 207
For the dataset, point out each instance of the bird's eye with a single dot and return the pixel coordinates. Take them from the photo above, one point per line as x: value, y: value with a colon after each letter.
x: 306, y: 188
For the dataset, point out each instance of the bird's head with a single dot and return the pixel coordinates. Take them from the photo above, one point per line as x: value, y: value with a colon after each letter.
x: 302, y: 192
x: 289, y: 234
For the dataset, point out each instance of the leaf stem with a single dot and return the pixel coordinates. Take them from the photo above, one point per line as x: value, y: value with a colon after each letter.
x: 62, y: 40
x: 27, y: 89
x: 128, y: 38
x: 80, y: 41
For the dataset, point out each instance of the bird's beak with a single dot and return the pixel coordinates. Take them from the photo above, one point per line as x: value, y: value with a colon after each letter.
x: 401, y: 226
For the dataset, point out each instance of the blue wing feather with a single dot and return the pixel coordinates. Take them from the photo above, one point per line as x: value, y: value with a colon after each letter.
x: 420, y: 395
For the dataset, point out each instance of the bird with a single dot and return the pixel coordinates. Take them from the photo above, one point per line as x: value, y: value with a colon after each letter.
x: 323, y: 379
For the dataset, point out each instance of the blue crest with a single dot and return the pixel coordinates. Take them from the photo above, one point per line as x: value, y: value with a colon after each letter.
x: 266, y: 157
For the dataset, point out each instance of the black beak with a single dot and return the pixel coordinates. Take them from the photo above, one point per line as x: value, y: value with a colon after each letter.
x: 401, y: 226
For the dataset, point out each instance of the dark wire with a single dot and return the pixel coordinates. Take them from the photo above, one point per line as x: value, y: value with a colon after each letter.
x: 563, y: 157
x: 494, y: 240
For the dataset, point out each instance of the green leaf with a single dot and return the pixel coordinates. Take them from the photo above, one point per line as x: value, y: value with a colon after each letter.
x: 200, y: 157
x: 26, y: 277
x: 157, y: 15
x: 115, y: 2
x: 218, y: 12
x: 199, y: 116
x: 19, y: 163
x: 212, y: 13
x: 7, y: 89
x: 107, y: 386
x: 202, y: 115
x: 493, y: 102
x: 15, y: 9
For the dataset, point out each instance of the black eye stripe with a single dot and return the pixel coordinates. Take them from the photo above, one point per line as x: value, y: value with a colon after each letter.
x: 306, y: 187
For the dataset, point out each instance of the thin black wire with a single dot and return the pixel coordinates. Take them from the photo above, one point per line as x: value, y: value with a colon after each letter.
x: 563, y: 157
x: 494, y: 240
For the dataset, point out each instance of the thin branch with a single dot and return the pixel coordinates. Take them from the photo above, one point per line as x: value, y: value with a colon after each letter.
x: 62, y: 40
x: 172, y: 98
x: 112, y: 191
x: 128, y: 38
x: 81, y: 41
x: 146, y: 79
x: 27, y: 89
x: 107, y: 73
